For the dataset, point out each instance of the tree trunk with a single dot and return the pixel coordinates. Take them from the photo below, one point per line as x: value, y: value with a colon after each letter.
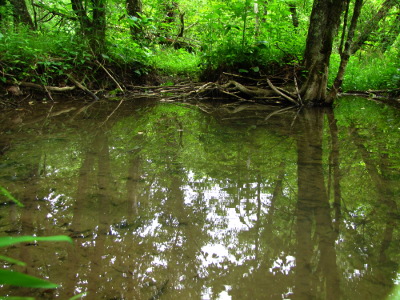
x: 293, y: 12
x: 351, y: 47
x: 134, y: 9
x: 325, y: 19
x: 94, y: 28
x: 21, y: 14
x: 98, y: 38
x: 2, y: 9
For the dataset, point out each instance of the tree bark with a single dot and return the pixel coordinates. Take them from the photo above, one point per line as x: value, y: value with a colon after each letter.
x: 325, y: 19
x: 293, y: 12
x: 134, y: 9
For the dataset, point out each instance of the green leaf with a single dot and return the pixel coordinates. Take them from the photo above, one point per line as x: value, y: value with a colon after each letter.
x: 10, y: 197
x: 78, y: 296
x: 12, y: 260
x: 23, y: 280
x: 255, y: 69
x: 9, y: 240
x: 243, y: 71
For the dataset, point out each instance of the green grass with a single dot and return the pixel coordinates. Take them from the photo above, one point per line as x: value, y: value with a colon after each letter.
x: 369, y: 71
x: 174, y: 62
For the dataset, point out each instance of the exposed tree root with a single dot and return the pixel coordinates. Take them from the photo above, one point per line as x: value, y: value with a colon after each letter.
x: 234, y: 92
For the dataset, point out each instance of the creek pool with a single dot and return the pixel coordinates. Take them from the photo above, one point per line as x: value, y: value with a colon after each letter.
x: 166, y: 201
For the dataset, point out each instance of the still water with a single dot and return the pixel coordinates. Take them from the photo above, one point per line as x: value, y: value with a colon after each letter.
x: 166, y: 201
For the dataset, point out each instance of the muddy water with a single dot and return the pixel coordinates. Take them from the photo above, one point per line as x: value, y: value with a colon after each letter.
x: 165, y: 201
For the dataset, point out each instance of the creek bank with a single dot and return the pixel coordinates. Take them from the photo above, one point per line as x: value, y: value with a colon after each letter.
x: 229, y: 88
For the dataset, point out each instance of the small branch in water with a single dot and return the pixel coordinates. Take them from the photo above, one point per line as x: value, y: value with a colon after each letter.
x: 109, y: 116
x: 278, y: 112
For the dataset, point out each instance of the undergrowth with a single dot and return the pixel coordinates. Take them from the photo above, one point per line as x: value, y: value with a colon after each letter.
x: 49, y: 59
x: 368, y: 71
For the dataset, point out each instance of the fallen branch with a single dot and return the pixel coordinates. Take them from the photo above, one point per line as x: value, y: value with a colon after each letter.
x: 46, y: 88
x: 240, y: 76
x: 82, y: 87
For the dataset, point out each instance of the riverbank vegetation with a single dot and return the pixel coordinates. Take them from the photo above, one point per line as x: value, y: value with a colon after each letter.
x: 107, y: 47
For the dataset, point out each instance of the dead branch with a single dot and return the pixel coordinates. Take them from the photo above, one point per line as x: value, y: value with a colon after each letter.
x: 240, y: 76
x: 109, y: 74
x: 46, y: 88
x: 280, y: 93
x: 297, y: 91
x: 251, y: 91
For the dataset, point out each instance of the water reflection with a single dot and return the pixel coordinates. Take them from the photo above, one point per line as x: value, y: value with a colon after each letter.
x: 165, y: 202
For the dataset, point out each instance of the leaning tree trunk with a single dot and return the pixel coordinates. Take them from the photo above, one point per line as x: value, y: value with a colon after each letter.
x: 352, y: 46
x: 346, y: 52
x: 324, y: 21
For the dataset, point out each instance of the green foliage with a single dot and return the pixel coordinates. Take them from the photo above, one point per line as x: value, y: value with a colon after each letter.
x: 176, y: 62
x: 234, y: 34
x: 42, y: 58
x: 8, y: 241
x: 369, y: 71
x: 10, y: 197
x: 23, y: 280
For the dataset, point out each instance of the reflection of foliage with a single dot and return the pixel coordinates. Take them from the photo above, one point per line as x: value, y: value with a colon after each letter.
x: 170, y: 199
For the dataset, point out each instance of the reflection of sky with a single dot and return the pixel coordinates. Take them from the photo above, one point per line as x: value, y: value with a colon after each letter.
x: 227, y: 223
x: 207, y: 294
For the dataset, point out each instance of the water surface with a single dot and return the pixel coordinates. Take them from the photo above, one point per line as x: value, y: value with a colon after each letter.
x: 165, y: 201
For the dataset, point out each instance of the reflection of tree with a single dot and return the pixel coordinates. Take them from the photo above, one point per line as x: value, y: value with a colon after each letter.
x: 384, y: 176
x: 334, y: 171
x: 313, y: 215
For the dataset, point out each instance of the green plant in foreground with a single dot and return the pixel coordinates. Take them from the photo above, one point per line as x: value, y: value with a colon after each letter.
x: 15, y: 278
